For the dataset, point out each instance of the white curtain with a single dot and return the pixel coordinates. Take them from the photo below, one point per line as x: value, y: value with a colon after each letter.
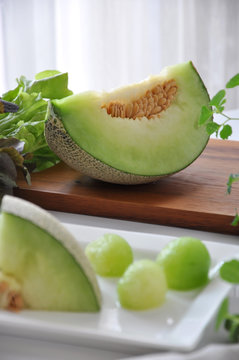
x: 107, y: 43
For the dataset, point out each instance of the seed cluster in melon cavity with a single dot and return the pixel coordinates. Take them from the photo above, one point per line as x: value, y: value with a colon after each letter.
x: 151, y: 104
x: 10, y: 299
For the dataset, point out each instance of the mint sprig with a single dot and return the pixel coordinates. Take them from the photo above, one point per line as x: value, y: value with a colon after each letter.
x: 232, y: 178
x: 216, y: 106
x: 223, y: 130
x: 235, y: 221
x: 219, y: 100
x: 229, y: 321
x: 222, y: 313
x: 233, y: 82
x: 229, y: 271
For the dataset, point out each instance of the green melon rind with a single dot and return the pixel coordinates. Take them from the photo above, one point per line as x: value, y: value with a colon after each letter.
x: 47, y: 222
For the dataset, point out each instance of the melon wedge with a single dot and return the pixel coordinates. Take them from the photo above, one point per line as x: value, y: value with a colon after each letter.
x: 45, y: 260
x: 134, y: 134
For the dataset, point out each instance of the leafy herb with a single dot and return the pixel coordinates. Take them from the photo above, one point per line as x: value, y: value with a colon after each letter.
x: 216, y: 106
x: 229, y: 271
x: 218, y: 100
x: 235, y: 221
x: 232, y: 178
x: 27, y: 124
x: 230, y: 321
x: 234, y: 81
x: 224, y: 130
x: 222, y: 313
x: 212, y: 127
x: 206, y: 113
x: 232, y: 325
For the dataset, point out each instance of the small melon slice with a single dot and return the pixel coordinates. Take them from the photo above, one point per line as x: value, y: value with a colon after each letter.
x: 45, y: 259
x: 134, y: 134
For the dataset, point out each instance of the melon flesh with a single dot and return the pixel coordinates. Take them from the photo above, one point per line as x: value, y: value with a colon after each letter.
x: 161, y: 145
x: 50, y: 276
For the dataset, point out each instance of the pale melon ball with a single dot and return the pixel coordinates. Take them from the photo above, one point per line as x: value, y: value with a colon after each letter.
x: 110, y: 255
x: 143, y: 286
x: 186, y: 263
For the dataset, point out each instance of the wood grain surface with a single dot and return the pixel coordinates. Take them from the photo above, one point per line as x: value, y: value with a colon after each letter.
x: 194, y: 198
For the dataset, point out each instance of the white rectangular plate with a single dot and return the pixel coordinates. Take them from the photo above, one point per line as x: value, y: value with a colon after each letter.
x: 177, y: 325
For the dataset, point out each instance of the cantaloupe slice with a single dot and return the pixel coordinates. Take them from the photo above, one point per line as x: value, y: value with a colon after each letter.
x: 134, y: 134
x: 45, y: 260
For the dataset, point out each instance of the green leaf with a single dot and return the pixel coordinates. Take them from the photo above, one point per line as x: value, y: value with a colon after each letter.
x: 226, y: 132
x: 229, y: 271
x: 46, y: 74
x: 223, y: 101
x: 11, y: 94
x: 23, y: 83
x: 206, y: 113
x: 29, y: 122
x: 220, y: 108
x: 212, y: 127
x: 235, y: 221
x: 53, y: 87
x: 231, y: 324
x: 44, y: 158
x: 232, y: 178
x: 222, y: 313
x: 234, y: 81
x: 218, y: 99
x: 233, y: 328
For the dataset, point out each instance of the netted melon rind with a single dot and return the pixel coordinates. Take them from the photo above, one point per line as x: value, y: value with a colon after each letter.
x: 78, y: 159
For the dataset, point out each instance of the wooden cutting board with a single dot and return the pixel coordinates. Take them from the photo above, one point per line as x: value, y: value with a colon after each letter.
x: 194, y: 198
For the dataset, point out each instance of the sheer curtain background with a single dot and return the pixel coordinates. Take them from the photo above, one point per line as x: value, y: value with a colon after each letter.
x: 104, y: 44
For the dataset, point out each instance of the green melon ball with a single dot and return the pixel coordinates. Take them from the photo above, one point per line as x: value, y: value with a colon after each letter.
x: 143, y: 286
x: 186, y: 262
x: 110, y: 255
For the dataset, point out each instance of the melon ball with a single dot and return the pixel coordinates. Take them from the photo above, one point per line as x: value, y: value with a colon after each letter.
x: 186, y: 263
x: 110, y: 255
x: 142, y: 286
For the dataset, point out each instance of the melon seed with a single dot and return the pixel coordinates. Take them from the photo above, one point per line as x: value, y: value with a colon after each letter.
x: 151, y: 104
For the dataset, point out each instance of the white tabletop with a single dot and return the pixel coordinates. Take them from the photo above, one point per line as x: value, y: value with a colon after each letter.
x: 17, y: 348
